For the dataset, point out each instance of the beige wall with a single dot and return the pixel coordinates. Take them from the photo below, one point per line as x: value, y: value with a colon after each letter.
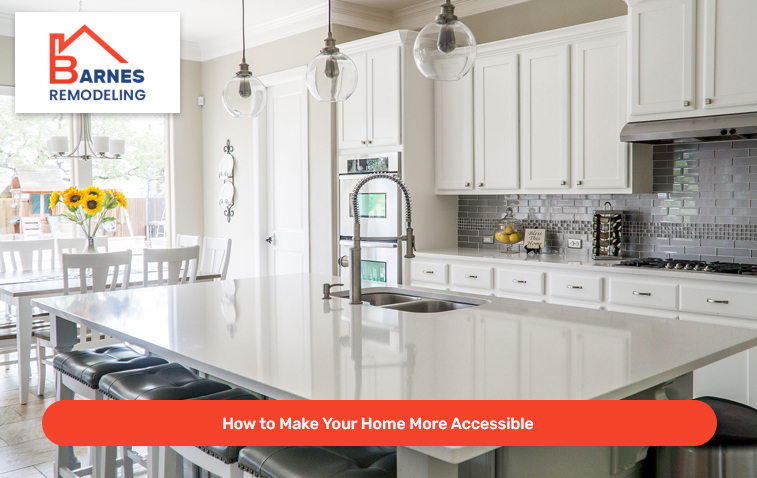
x: 7, y: 59
x: 185, y: 139
x: 540, y: 15
x: 218, y: 126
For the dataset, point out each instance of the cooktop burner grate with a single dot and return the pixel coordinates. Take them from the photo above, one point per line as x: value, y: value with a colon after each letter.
x: 688, y: 265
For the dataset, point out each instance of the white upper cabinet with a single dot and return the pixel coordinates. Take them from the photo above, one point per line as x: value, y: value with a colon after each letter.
x: 371, y: 116
x: 545, y: 117
x: 663, y: 37
x: 352, y: 117
x: 599, y: 160
x: 730, y: 59
x: 497, y: 150
x: 454, y: 134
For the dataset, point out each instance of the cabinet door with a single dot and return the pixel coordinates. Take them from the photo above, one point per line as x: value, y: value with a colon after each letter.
x: 546, y: 358
x: 663, y: 35
x: 730, y: 64
x: 600, y: 159
x: 545, y: 117
x: 383, y: 97
x: 454, y: 134
x: 495, y: 113
x: 352, y: 113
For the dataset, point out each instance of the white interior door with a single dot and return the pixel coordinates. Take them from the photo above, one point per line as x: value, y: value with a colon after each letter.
x: 286, y: 136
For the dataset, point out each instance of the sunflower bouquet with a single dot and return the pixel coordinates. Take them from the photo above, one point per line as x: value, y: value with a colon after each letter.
x: 88, y: 207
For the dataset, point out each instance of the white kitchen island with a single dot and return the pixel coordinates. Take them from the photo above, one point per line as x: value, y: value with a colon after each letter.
x: 276, y: 336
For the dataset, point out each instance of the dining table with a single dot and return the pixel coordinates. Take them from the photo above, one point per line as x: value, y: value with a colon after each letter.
x: 277, y: 336
x: 18, y: 288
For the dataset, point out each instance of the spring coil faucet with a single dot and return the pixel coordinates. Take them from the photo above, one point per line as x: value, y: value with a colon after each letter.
x: 355, y: 251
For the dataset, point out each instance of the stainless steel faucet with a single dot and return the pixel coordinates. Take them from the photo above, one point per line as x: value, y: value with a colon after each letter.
x: 355, y: 259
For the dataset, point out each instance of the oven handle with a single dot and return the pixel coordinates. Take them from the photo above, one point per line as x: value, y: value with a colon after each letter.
x: 369, y: 245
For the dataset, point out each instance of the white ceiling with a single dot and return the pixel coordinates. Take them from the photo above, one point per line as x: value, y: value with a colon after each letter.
x: 211, y: 28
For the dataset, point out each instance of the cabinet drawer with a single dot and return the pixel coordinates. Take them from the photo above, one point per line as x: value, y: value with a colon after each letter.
x: 433, y: 272
x: 525, y: 282
x: 576, y: 287
x: 476, y: 277
x: 644, y: 294
x: 717, y: 301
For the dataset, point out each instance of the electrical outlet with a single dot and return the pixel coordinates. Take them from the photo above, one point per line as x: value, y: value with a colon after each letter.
x: 574, y: 243
x: 200, y: 101
x: 488, y: 239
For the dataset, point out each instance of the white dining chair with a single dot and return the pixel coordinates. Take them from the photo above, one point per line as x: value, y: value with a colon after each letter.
x: 216, y: 253
x: 31, y: 227
x: 180, y: 262
x: 78, y: 245
x: 183, y: 240
x: 25, y: 255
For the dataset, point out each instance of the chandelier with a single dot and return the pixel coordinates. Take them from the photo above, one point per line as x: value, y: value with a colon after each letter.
x: 87, y: 146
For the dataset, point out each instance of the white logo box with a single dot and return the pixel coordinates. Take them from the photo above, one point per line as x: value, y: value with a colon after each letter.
x: 149, y: 42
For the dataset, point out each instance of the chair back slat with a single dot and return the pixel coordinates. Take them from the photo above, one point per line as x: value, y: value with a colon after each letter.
x: 100, y: 266
x: 181, y: 264
x: 216, y: 256
x: 27, y: 255
x: 78, y: 245
x: 183, y: 240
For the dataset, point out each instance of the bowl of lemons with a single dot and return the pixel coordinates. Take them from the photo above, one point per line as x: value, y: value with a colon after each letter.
x: 508, y: 232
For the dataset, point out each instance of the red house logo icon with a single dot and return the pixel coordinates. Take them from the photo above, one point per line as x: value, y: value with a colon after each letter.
x: 58, y: 43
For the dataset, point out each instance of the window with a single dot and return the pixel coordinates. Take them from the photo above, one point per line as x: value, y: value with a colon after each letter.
x: 23, y: 143
x: 140, y: 174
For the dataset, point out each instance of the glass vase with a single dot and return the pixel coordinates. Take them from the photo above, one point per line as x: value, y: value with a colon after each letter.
x: 90, y: 249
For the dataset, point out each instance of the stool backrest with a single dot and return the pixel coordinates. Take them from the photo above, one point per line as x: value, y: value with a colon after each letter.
x: 180, y: 261
x: 27, y: 255
x: 98, y: 266
x: 216, y: 253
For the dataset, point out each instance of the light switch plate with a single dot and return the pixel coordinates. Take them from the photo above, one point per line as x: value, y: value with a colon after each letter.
x: 200, y: 101
x: 488, y: 239
x: 574, y: 243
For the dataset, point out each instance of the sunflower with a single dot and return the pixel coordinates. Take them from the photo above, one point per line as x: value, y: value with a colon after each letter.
x: 92, y: 204
x: 54, y: 199
x: 122, y: 201
x: 93, y: 191
x: 72, y: 197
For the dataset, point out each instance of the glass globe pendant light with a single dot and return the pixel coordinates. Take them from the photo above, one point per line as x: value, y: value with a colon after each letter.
x: 332, y: 75
x: 445, y: 49
x: 244, y: 95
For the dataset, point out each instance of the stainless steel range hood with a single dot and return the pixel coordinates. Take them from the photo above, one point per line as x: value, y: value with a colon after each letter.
x: 690, y: 130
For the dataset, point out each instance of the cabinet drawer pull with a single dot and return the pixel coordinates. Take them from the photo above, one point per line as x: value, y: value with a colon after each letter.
x: 363, y: 142
x: 645, y: 294
x: 467, y: 185
x: 715, y: 301
x: 517, y: 281
x: 708, y: 101
x: 428, y: 272
x: 575, y: 287
x: 469, y: 276
x: 686, y: 103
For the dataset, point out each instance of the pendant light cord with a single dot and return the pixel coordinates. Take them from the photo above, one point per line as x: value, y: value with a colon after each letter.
x: 329, y: 17
x: 244, y: 45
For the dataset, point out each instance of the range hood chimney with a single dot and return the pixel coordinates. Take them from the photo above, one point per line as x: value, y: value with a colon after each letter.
x: 692, y: 130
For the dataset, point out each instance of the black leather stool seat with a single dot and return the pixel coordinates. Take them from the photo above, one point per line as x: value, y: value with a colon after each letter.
x: 162, y: 382
x: 227, y: 454
x: 737, y: 423
x: 319, y: 462
x: 89, y: 366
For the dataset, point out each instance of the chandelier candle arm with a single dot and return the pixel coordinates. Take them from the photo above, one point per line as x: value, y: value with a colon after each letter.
x: 87, y: 146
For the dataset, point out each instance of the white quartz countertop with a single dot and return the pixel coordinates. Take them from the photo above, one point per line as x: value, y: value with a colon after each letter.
x: 573, y: 261
x: 277, y: 336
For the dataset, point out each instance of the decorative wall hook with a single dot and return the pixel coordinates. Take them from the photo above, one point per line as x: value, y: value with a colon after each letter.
x: 226, y: 173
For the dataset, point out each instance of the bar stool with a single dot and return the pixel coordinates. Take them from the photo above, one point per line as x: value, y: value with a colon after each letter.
x: 170, y: 381
x: 730, y: 453
x: 81, y: 371
x: 218, y: 460
x: 319, y: 461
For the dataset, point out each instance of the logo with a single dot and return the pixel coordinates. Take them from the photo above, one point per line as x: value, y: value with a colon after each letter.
x: 97, y: 62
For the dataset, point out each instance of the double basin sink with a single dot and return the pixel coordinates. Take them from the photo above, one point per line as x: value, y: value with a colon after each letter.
x: 412, y: 301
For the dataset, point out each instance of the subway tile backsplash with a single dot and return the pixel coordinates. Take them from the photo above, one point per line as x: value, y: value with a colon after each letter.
x: 704, y: 207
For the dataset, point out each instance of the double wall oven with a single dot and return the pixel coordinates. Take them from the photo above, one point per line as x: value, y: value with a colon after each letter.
x: 379, y: 206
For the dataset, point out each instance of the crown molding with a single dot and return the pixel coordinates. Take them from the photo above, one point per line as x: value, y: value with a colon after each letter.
x: 417, y: 16
x: 358, y: 16
x: 7, y: 25
x: 190, y: 51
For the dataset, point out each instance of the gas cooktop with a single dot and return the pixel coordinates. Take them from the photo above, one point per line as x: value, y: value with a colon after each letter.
x: 687, y: 265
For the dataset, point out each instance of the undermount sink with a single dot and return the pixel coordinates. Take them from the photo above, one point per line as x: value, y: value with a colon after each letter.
x: 417, y: 302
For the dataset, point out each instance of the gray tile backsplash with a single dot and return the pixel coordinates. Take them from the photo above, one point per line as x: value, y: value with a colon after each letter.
x: 704, y: 207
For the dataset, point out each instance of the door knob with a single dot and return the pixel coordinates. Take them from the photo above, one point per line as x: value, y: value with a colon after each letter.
x: 363, y: 142
x: 708, y: 101
x: 480, y: 185
x: 269, y: 239
x: 370, y: 141
x: 563, y: 183
x: 467, y: 185
x: 579, y: 182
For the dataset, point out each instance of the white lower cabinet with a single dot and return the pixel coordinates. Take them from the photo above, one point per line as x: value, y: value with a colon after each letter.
x: 473, y: 277
x: 644, y: 293
x: 518, y: 281
x: 429, y: 272
x: 576, y: 287
x: 738, y: 300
